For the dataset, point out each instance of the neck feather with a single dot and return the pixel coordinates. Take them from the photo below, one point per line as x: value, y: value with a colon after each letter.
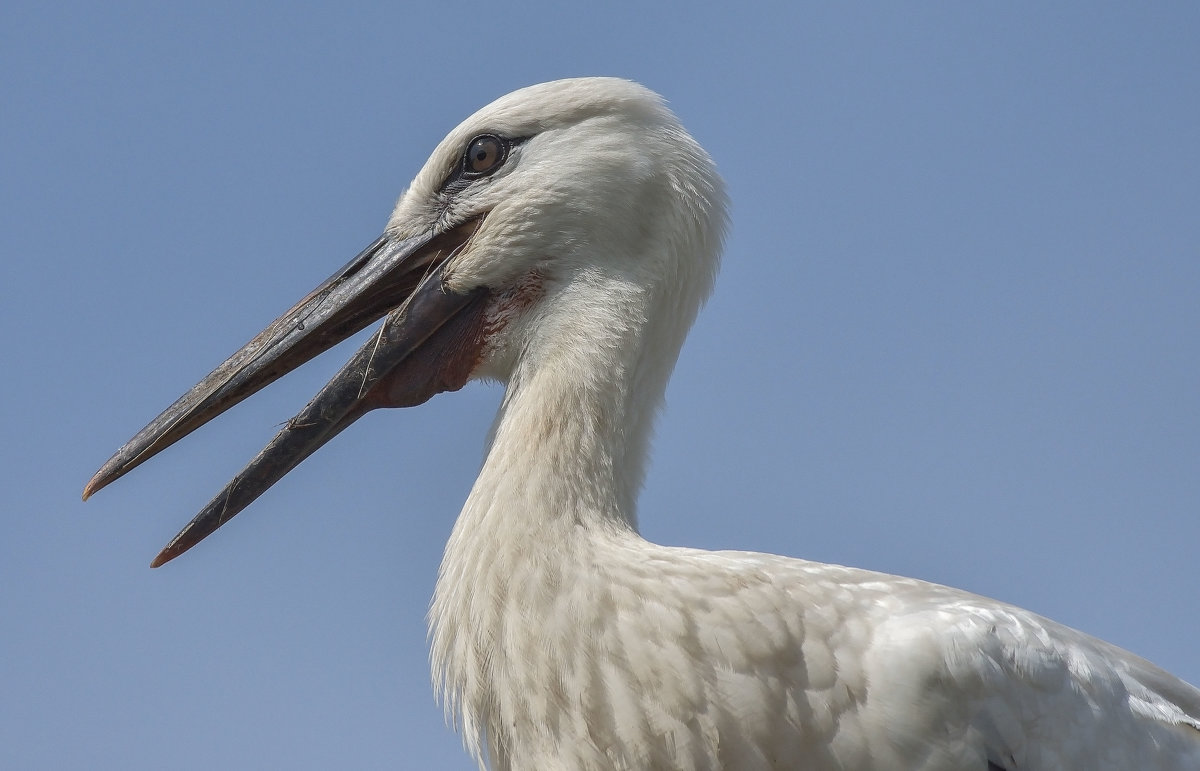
x: 563, y: 469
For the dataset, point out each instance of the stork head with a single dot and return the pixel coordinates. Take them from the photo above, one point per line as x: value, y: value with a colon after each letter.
x: 544, y: 210
x: 576, y: 183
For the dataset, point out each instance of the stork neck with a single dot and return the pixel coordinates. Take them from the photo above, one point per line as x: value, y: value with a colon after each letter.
x: 563, y: 468
x: 570, y: 440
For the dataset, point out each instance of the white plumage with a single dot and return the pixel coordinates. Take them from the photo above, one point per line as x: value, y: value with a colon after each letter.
x: 563, y: 640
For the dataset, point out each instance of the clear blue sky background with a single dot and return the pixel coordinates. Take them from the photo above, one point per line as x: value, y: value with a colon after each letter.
x: 957, y: 336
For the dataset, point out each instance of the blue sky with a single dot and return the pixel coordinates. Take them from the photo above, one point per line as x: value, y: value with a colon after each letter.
x: 956, y: 336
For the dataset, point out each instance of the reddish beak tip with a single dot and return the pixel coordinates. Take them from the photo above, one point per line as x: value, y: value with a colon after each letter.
x: 91, y: 487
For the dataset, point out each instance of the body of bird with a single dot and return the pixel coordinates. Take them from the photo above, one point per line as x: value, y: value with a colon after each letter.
x: 561, y: 241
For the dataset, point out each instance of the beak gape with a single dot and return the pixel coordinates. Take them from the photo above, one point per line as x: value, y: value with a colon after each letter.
x: 430, y: 342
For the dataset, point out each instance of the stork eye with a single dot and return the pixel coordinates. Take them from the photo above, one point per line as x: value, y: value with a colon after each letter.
x: 484, y: 155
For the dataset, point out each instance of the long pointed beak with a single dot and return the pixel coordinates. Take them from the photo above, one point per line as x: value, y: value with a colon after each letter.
x: 429, y: 343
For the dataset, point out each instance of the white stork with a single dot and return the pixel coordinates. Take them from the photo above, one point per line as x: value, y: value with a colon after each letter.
x: 561, y: 240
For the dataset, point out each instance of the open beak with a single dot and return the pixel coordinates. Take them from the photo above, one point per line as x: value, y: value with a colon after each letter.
x: 429, y: 343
